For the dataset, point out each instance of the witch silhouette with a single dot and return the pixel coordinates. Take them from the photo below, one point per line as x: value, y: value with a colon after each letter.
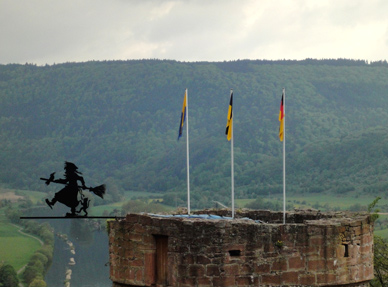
x: 69, y: 194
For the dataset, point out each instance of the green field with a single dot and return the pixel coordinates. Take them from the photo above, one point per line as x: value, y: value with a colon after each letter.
x: 128, y: 195
x: 16, y: 248
x: 324, y: 200
x: 383, y: 233
x: 34, y: 196
x: 98, y: 210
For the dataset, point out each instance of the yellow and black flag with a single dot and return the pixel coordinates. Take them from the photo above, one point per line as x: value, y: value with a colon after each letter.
x: 229, y: 124
x: 281, y: 120
x: 183, y: 117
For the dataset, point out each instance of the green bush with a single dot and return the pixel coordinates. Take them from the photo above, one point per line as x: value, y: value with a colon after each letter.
x: 259, y: 203
x: 30, y: 273
x: 37, y: 283
x: 8, y: 276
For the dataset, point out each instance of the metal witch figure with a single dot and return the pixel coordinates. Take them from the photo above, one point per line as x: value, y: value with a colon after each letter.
x: 69, y: 194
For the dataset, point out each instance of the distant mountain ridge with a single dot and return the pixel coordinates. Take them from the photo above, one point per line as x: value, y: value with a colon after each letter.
x: 118, y: 121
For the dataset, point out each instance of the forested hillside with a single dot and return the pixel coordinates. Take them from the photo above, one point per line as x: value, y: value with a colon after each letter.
x: 118, y: 121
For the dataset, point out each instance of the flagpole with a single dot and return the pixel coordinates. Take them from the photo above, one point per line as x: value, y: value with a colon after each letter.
x: 187, y: 152
x: 284, y: 156
x: 232, y: 160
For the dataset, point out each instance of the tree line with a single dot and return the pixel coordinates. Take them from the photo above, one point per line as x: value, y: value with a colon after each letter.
x: 118, y: 121
x: 40, y: 261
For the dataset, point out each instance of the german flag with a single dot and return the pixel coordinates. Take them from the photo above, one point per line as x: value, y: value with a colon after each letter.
x: 229, y: 124
x: 281, y: 120
x: 183, y: 117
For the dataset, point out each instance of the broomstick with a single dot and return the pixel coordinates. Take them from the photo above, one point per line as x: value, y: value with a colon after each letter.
x: 98, y: 190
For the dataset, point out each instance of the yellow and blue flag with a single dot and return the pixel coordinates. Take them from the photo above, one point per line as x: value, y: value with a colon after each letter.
x: 183, y: 117
x: 229, y: 124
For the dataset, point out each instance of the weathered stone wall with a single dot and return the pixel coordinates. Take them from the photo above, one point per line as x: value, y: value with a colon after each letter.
x: 312, y: 249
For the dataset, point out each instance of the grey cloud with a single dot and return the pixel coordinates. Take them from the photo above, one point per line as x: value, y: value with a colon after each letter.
x: 48, y: 31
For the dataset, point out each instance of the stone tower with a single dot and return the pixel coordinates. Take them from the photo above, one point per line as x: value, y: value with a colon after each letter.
x: 254, y: 249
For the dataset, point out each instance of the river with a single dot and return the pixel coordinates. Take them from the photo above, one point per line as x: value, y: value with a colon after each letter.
x: 91, y: 252
x: 91, y: 262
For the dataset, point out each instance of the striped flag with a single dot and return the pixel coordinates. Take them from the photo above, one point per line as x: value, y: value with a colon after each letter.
x: 229, y: 124
x: 183, y: 117
x: 281, y: 120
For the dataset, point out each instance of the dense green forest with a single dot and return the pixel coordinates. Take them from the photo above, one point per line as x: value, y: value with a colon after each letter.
x: 118, y: 121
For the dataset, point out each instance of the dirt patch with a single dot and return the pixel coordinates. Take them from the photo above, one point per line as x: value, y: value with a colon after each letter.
x: 10, y: 195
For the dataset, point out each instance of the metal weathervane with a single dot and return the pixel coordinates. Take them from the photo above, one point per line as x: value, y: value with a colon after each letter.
x: 72, y: 194
x: 74, y: 185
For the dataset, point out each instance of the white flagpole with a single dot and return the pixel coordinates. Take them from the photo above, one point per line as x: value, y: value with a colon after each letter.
x: 187, y: 152
x: 232, y: 159
x: 284, y: 156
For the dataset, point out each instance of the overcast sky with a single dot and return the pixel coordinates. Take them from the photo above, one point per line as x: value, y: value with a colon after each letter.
x: 56, y: 31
